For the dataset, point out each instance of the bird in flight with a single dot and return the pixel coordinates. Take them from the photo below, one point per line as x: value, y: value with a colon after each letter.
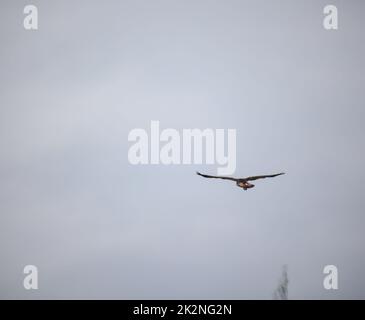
x: 242, y: 182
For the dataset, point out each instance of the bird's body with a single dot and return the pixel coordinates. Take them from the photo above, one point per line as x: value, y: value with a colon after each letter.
x: 242, y: 182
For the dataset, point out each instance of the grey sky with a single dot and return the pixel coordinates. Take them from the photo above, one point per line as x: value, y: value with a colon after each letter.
x: 98, y: 227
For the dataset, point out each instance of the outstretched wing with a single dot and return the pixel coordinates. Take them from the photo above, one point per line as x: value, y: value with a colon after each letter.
x: 217, y: 177
x: 263, y: 177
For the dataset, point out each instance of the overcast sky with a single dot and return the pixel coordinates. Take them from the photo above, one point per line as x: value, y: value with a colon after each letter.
x: 99, y: 227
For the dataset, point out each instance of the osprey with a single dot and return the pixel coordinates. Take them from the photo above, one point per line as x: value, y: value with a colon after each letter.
x: 242, y: 182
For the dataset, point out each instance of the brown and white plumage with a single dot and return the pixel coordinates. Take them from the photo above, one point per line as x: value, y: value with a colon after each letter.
x: 242, y: 182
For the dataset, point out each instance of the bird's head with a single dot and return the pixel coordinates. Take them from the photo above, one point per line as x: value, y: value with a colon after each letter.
x: 245, y: 185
